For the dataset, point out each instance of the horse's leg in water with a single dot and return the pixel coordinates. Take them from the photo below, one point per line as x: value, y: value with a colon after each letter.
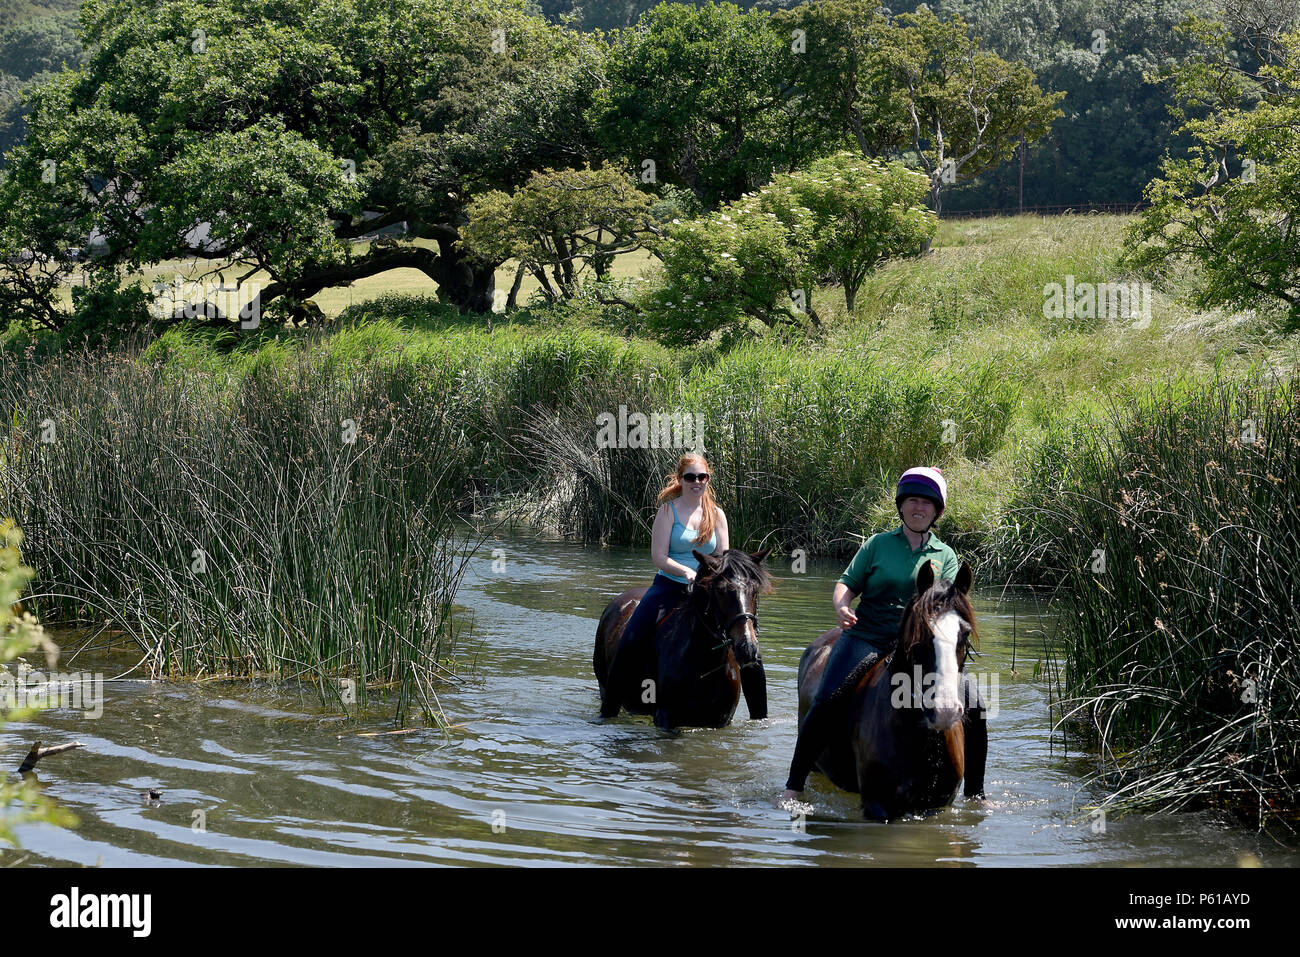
x: 830, y: 708
x: 637, y: 633
x: 753, y: 684
x: 627, y: 651
x: 976, y: 729
x: 667, y: 665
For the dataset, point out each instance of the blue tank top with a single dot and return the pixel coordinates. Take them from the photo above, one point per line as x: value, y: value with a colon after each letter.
x: 680, y: 543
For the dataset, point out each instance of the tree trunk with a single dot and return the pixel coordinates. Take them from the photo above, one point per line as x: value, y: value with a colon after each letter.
x: 565, y: 276
x: 467, y: 284
x: 539, y: 273
x: 513, y: 298
x: 936, y: 203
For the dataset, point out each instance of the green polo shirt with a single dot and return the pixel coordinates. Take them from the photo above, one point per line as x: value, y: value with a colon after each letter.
x: 883, y: 573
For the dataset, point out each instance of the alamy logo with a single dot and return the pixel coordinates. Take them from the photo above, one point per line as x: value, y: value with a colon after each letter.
x: 82, y: 691
x: 1103, y: 300
x: 102, y: 910
x: 920, y: 690
x: 216, y: 300
x: 658, y: 430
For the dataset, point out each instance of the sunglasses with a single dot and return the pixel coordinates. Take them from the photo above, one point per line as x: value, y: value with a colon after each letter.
x: 695, y: 477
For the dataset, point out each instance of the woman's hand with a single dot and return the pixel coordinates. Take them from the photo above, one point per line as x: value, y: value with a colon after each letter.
x: 840, y: 599
x: 690, y: 576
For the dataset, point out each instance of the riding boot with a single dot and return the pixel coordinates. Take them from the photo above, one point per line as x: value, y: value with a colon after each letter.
x: 820, y: 722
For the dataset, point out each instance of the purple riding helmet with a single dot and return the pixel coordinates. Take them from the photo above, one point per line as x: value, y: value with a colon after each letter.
x: 925, y: 482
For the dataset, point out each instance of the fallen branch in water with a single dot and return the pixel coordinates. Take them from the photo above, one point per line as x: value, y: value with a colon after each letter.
x: 37, y: 752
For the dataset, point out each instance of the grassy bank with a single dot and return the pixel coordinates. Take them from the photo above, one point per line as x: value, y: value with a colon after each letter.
x: 949, y: 360
x: 1042, y: 424
x: 805, y: 442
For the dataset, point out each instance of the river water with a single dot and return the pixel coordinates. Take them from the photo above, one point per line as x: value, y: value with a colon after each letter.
x: 256, y: 774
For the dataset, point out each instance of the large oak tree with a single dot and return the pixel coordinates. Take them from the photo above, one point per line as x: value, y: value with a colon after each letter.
x: 279, y: 122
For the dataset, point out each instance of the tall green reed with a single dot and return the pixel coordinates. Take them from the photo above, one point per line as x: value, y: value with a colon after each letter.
x: 289, y: 519
x: 1171, y: 529
x: 802, y: 447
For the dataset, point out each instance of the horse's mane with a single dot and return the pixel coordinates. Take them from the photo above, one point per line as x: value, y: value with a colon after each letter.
x: 944, y: 596
x: 736, y: 565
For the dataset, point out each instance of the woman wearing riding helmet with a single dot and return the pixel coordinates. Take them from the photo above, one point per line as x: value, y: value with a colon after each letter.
x: 883, y: 572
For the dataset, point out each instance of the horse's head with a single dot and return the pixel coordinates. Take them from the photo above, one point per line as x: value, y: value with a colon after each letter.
x: 726, y: 597
x: 936, y: 633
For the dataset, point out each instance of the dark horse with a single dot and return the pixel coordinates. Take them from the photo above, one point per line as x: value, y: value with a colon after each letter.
x: 908, y: 727
x: 704, y: 651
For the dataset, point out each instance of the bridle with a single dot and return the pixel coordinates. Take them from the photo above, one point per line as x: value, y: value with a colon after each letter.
x: 722, y: 631
x: 962, y: 640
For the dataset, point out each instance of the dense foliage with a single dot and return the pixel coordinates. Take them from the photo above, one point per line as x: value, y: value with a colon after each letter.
x: 566, y: 221
x: 763, y: 256
x: 36, y: 39
x: 165, y: 144
x: 1231, y: 208
x: 268, y: 136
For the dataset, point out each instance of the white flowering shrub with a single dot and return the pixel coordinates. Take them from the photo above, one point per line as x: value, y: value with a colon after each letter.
x: 760, y: 258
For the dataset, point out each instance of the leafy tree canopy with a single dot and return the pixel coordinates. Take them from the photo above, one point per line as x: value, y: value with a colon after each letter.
x: 849, y: 214
x: 703, y: 94
x: 278, y: 122
x: 565, y: 221
x: 1230, y: 206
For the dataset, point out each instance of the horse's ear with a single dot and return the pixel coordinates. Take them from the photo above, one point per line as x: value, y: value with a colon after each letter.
x: 924, y: 578
x: 759, y: 556
x: 964, y: 578
x: 708, y: 561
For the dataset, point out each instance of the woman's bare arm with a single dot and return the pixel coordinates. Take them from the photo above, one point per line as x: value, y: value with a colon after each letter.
x: 659, y: 536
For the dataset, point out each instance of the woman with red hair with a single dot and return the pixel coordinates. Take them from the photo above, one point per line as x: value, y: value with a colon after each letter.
x: 688, y: 520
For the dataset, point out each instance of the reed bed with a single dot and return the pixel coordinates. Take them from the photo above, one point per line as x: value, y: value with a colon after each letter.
x: 286, y: 520
x: 1170, y: 529
x: 804, y: 447
x: 806, y: 444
